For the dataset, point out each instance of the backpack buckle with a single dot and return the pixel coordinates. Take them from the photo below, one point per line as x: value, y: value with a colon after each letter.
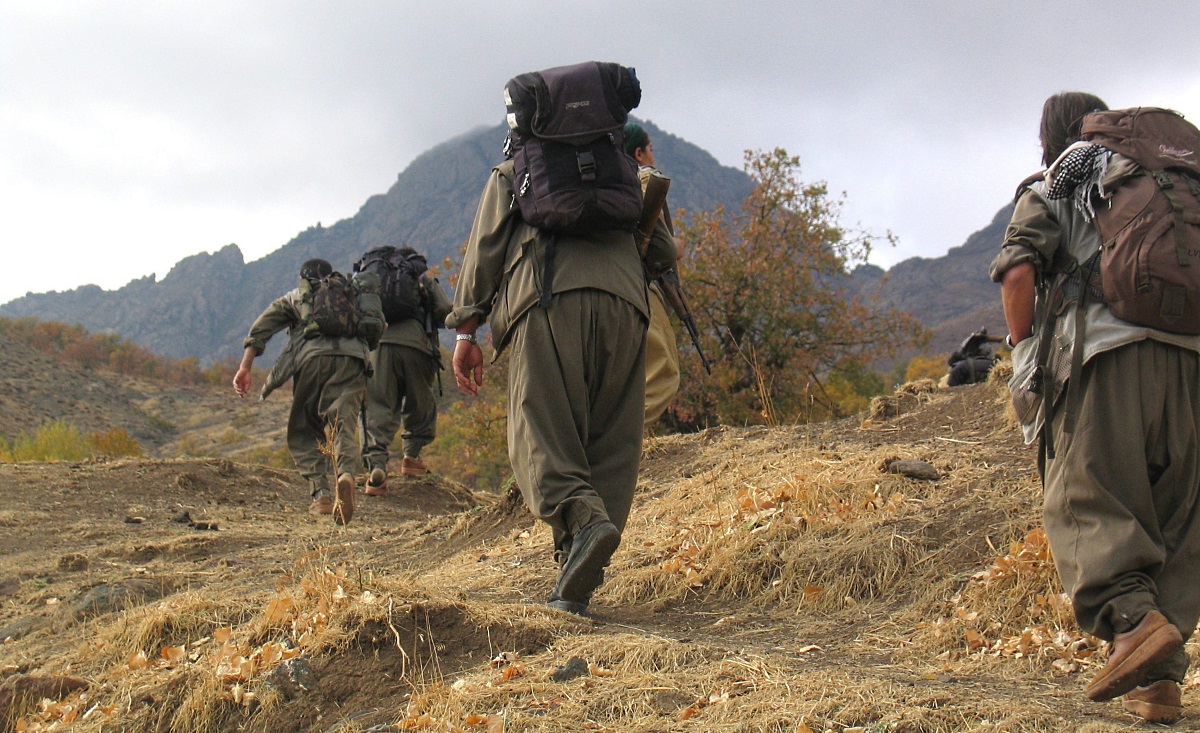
x: 1163, y: 181
x: 587, y: 165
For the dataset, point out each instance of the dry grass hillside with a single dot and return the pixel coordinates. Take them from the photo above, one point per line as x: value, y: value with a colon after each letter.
x: 784, y: 579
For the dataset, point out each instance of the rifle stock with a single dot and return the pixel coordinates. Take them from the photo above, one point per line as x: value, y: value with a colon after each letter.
x: 673, y: 291
x: 654, y: 197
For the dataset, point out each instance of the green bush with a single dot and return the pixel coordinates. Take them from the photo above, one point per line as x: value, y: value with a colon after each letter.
x: 57, y: 440
x: 278, y: 457
x: 5, y: 451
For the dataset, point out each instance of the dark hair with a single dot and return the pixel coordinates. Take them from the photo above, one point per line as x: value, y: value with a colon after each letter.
x: 406, y: 251
x: 315, y: 269
x: 1062, y: 117
x: 635, y: 137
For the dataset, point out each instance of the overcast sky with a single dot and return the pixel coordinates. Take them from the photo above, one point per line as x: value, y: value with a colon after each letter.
x: 136, y: 133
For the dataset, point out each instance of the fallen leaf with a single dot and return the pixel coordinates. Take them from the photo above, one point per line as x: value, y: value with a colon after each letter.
x: 174, y: 654
x: 279, y: 610
x: 598, y: 671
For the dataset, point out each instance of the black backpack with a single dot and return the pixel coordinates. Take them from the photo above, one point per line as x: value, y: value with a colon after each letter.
x: 567, y: 143
x: 399, y: 275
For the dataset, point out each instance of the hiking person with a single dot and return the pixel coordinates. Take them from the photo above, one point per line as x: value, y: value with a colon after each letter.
x: 662, y: 353
x: 330, y: 380
x: 408, y: 362
x: 1115, y: 406
x: 564, y: 290
x: 973, y: 360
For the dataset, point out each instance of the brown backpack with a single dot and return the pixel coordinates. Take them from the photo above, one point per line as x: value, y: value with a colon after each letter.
x: 1150, y: 231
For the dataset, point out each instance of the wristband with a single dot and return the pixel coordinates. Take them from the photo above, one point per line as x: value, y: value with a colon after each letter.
x: 465, y: 337
x: 1009, y: 342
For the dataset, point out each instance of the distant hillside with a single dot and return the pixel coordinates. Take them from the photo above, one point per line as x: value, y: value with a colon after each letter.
x: 205, y: 304
x: 952, y: 295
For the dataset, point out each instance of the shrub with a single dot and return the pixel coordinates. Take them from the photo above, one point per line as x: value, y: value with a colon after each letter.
x: 5, y: 451
x: 115, y: 443
x: 57, y: 440
x: 925, y: 367
x: 278, y: 457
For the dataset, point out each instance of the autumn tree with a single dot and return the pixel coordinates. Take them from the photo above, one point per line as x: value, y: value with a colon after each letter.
x: 790, y: 337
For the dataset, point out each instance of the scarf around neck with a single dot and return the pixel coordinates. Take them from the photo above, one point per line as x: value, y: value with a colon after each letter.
x: 1079, y: 172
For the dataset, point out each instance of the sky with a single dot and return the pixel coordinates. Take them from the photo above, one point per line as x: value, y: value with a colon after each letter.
x: 134, y: 134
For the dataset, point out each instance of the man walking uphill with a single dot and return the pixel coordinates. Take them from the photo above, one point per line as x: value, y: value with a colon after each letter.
x: 1119, y: 416
x: 566, y: 295
x: 401, y: 391
x: 330, y: 375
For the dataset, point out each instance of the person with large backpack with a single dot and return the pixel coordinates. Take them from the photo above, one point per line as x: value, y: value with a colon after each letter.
x: 972, y: 361
x: 552, y: 265
x: 662, y: 353
x: 332, y: 323
x: 401, y: 392
x: 1099, y: 272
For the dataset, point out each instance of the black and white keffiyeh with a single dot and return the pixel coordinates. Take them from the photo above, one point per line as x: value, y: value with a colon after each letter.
x: 1079, y: 172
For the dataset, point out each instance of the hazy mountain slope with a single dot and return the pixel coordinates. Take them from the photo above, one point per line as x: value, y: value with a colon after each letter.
x: 205, y: 304
x: 952, y: 295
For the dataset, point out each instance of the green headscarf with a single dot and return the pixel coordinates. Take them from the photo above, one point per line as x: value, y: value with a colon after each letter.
x: 635, y: 137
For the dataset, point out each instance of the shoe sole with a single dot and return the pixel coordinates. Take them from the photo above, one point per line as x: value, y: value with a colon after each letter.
x: 343, y: 504
x: 578, y: 609
x: 1153, y: 712
x: 375, y: 490
x: 1123, y: 678
x: 587, y: 574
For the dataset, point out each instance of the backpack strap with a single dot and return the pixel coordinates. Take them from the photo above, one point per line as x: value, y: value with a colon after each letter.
x: 548, y: 271
x: 1046, y: 318
x: 1168, y: 189
x: 1073, y: 392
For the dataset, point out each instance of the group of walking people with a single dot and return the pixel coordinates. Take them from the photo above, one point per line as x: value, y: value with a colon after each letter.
x: 592, y: 360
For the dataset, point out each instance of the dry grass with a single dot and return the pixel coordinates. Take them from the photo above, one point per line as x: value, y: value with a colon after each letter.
x: 769, y: 580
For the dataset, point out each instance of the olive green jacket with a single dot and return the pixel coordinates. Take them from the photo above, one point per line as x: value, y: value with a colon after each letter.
x: 502, y: 272
x: 412, y: 332
x: 285, y: 312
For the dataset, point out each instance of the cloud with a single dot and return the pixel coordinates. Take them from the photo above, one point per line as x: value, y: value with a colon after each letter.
x: 139, y: 133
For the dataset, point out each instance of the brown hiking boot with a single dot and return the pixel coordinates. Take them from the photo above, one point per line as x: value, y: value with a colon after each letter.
x: 1160, y: 702
x: 1133, y: 654
x: 343, y: 505
x: 413, y: 467
x: 322, y: 503
x: 376, y: 483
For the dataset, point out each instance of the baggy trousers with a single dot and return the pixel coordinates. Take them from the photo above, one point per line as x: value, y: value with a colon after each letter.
x: 1121, y: 495
x: 576, y: 402
x: 328, y: 390
x: 662, y: 359
x: 400, y: 392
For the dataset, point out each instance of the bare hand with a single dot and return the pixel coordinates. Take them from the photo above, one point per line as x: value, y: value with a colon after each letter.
x: 468, y: 367
x: 241, y: 382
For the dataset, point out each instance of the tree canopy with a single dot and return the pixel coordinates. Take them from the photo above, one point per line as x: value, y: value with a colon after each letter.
x: 771, y: 290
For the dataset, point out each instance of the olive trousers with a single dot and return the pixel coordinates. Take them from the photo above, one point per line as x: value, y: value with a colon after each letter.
x: 1122, y: 494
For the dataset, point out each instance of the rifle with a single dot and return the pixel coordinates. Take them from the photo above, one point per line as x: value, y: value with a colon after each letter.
x: 654, y: 197
x: 673, y: 291
x: 431, y: 331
